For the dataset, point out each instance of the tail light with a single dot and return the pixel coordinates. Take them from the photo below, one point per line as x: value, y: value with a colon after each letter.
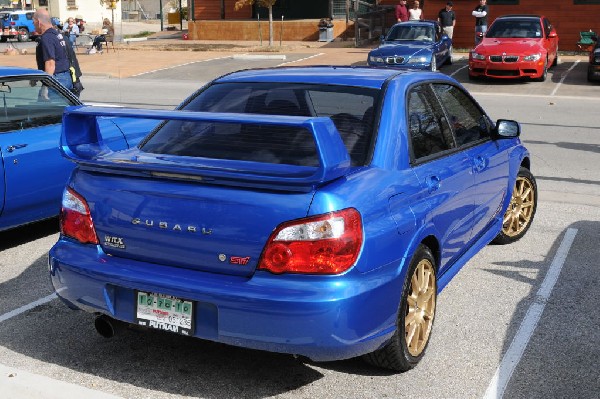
x: 324, y: 244
x: 75, y: 219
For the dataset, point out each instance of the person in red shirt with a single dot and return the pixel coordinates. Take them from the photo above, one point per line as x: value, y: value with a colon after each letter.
x: 402, y: 11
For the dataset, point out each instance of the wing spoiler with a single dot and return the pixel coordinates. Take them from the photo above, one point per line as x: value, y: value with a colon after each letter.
x: 82, y: 142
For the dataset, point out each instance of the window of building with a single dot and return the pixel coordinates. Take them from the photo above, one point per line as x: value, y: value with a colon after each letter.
x: 72, y: 4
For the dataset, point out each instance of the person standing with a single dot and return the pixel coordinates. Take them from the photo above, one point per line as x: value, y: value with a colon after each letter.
x: 415, y: 13
x: 402, y: 11
x: 50, y: 53
x: 480, y: 13
x: 447, y: 19
x: 72, y: 30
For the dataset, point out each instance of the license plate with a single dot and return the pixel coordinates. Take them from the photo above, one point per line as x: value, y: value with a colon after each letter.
x: 164, y: 312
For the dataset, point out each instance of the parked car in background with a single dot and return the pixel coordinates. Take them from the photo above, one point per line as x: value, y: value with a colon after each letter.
x: 33, y: 171
x: 315, y: 211
x: 19, y: 25
x: 414, y: 44
x: 516, y: 46
x: 593, y: 73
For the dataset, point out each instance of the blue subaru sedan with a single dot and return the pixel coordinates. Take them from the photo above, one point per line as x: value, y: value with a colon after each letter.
x: 413, y: 44
x: 313, y: 211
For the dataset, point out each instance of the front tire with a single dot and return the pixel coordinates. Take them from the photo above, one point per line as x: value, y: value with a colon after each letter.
x: 415, y: 318
x: 521, y: 210
x: 544, y: 74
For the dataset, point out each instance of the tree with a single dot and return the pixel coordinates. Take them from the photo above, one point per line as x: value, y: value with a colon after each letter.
x: 261, y: 3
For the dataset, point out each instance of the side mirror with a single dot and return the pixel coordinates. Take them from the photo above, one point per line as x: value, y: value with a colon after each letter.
x: 506, y: 129
x: 552, y: 34
x: 381, y: 39
x: 480, y: 35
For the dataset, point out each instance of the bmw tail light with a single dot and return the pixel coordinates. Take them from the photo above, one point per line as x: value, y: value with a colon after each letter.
x: 75, y: 219
x: 323, y: 244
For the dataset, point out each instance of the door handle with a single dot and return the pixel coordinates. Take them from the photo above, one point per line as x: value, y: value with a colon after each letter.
x: 11, y: 148
x: 479, y: 164
x: 433, y: 183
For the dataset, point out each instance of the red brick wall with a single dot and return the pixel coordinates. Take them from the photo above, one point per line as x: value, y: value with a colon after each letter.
x: 211, y: 10
x: 567, y: 18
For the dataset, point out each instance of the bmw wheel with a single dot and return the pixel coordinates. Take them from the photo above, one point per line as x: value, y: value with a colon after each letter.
x: 450, y: 53
x: 433, y: 65
x: 544, y: 74
x: 521, y: 210
x: 415, y: 318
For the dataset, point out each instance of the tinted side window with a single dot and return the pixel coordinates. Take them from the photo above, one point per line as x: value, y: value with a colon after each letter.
x: 23, y: 104
x: 429, y: 132
x: 468, y: 122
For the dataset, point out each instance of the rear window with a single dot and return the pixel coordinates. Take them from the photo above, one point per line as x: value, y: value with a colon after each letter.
x: 350, y: 108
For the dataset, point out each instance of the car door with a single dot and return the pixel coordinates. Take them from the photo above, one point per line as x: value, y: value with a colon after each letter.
x: 551, y: 41
x: 442, y: 47
x: 487, y: 158
x: 34, y: 170
x: 445, y: 174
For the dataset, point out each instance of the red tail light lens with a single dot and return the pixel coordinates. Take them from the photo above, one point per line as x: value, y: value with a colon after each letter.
x: 324, y: 244
x: 75, y: 219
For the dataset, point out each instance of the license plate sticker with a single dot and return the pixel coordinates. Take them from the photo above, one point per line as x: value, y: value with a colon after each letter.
x: 164, y: 312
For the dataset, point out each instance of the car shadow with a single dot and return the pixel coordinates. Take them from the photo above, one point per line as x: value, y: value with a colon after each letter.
x: 561, y: 355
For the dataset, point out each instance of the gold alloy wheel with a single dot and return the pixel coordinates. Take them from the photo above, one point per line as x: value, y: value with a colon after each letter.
x: 421, y: 307
x: 521, y: 207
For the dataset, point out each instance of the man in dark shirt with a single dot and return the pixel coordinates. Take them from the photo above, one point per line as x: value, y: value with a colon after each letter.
x: 480, y: 13
x: 402, y: 11
x: 447, y: 19
x: 51, y: 53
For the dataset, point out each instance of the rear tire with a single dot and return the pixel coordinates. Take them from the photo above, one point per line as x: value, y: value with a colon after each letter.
x: 23, y: 35
x: 415, y: 318
x: 450, y: 52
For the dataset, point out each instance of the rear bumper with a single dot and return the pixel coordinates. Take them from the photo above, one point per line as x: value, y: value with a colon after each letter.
x: 500, y: 70
x: 322, y: 317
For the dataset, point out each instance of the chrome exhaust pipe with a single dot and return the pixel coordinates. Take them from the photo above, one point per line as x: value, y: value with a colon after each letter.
x: 106, y: 326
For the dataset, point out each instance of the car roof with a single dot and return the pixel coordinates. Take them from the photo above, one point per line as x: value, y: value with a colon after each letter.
x: 10, y: 71
x: 362, y: 76
x: 22, y: 12
x: 520, y: 16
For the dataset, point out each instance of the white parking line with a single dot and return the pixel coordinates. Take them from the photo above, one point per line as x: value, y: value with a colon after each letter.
x: 301, y: 59
x: 179, y: 65
x: 514, y: 353
x: 458, y: 70
x: 27, y: 307
x: 562, y: 79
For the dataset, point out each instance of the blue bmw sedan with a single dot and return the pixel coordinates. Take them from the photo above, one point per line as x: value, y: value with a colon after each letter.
x: 312, y: 211
x: 413, y: 44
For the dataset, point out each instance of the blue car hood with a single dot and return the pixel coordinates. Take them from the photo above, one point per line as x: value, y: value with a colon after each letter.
x: 404, y: 49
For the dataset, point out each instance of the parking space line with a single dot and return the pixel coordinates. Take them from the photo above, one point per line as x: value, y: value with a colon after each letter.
x: 517, y: 347
x: 458, y: 70
x: 179, y: 65
x: 301, y: 59
x: 562, y: 79
x: 27, y: 307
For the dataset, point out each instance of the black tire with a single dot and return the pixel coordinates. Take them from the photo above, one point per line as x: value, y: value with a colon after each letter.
x: 520, y: 213
x: 3, y: 39
x: 556, y: 59
x: 404, y: 351
x: 23, y: 35
x: 544, y: 75
x: 450, y: 52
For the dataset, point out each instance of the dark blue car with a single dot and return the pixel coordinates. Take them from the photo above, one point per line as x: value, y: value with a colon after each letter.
x: 413, y: 44
x: 33, y: 171
x: 313, y: 211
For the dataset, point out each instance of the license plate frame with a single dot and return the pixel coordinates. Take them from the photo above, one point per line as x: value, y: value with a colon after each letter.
x: 164, y: 312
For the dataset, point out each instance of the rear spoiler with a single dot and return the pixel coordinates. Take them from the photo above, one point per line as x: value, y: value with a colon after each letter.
x: 82, y: 142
